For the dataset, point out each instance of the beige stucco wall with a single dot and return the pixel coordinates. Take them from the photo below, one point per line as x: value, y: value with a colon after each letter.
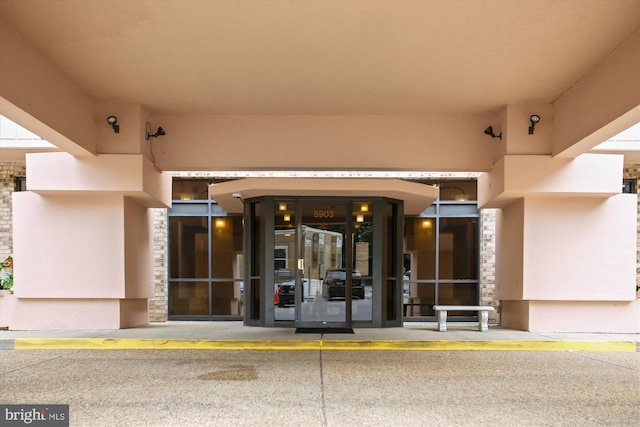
x: 158, y: 300
x: 600, y: 268
x: 81, y: 230
x: 566, y: 261
x: 86, y: 224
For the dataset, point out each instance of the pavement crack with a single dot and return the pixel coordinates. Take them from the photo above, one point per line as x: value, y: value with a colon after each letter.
x: 587, y: 356
x: 322, y: 397
x: 29, y: 365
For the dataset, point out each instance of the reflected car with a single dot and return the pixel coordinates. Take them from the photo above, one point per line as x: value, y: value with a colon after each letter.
x: 287, y: 293
x: 334, y: 284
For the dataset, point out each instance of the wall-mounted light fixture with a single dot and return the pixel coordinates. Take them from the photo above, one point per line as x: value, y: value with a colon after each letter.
x: 112, y: 120
x: 489, y: 131
x: 286, y: 217
x: 148, y: 134
x: 534, y: 119
x: 360, y: 217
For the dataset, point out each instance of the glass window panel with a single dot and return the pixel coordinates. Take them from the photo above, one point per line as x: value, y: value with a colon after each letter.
x: 189, y: 299
x: 458, y: 248
x: 254, y: 294
x: 21, y: 183
x: 190, y: 189
x: 390, y: 253
x: 629, y: 185
x: 459, y: 191
x: 255, y: 302
x: 284, y: 238
x: 225, y: 298
x: 323, y: 258
x: 284, y: 287
x: 189, y: 247
x: 226, y: 247
x: 420, y: 241
x: 421, y: 298
x: 458, y: 294
x: 362, y: 289
x: 256, y: 239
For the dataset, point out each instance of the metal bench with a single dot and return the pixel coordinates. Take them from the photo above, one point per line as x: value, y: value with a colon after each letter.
x: 483, y: 315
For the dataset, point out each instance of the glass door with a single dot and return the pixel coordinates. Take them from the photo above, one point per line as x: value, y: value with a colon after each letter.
x: 323, y: 253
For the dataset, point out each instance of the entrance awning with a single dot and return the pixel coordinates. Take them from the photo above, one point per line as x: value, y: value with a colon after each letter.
x: 417, y: 197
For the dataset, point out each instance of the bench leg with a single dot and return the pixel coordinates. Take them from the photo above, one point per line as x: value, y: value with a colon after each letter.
x: 483, y: 317
x: 442, y: 321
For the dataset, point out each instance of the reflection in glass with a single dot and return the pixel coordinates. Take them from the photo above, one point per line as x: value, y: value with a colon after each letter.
x: 322, y: 250
x: 189, y: 299
x: 458, y: 256
x: 362, y: 280
x: 190, y: 189
x: 458, y: 191
x: 419, y: 299
x: 227, y: 264
x: 390, y: 261
x: 284, y: 252
x: 189, y: 247
x: 255, y: 288
x: 225, y: 299
x: 420, y: 241
x: 457, y: 294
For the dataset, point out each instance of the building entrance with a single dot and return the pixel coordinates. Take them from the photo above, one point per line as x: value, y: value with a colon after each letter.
x: 327, y: 242
x: 324, y: 262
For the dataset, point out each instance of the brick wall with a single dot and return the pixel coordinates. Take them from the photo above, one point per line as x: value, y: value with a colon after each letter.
x: 488, y: 262
x: 158, y: 304
x: 8, y: 173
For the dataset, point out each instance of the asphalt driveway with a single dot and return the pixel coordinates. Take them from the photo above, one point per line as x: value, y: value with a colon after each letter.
x: 327, y: 388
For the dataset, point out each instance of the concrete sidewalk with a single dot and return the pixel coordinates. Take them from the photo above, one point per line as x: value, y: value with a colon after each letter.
x: 235, y: 336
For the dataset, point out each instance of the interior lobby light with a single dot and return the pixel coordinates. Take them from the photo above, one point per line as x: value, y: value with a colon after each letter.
x: 287, y: 217
x: 220, y: 223
x: 489, y: 131
x: 360, y: 217
x: 364, y: 207
x: 113, y: 120
x: 534, y: 119
x: 282, y: 206
x: 426, y: 223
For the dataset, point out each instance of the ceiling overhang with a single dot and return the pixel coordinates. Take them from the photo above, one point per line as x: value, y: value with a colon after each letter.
x: 416, y: 197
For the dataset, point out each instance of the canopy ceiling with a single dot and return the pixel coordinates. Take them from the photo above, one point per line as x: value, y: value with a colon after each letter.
x: 325, y: 57
x: 231, y: 194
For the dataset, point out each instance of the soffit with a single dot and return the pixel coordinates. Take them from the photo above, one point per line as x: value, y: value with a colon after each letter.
x: 417, y: 197
x: 324, y: 57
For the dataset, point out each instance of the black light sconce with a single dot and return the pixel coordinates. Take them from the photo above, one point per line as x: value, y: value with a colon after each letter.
x: 489, y: 131
x: 112, y: 120
x: 148, y: 134
x: 534, y: 119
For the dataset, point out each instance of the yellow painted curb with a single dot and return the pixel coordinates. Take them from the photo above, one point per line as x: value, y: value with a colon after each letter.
x: 450, y: 345
x: 397, y: 345
x: 160, y: 344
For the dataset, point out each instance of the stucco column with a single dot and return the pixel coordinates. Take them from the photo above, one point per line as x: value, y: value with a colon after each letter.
x: 565, y: 243
x: 83, y: 241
